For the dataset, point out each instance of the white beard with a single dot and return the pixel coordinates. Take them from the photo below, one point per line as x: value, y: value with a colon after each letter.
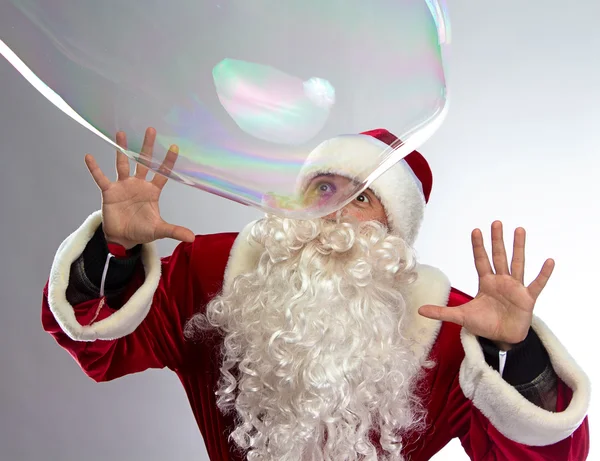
x: 314, y: 360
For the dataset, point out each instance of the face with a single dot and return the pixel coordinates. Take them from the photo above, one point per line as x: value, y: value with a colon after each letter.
x: 365, y: 207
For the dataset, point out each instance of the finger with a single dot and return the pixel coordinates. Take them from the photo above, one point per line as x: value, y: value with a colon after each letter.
x: 482, y: 260
x: 101, y: 180
x: 517, y: 265
x: 122, y: 159
x: 166, y: 230
x: 166, y: 166
x: 536, y: 287
x: 445, y: 314
x: 498, y: 249
x: 147, y: 147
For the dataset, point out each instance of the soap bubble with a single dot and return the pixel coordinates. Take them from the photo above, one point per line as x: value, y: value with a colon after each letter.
x: 245, y: 89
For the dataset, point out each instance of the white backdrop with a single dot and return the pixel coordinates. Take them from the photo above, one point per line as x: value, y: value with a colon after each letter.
x: 520, y: 144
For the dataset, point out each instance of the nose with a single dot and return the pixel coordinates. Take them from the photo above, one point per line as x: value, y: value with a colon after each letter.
x: 346, y: 211
x: 330, y: 216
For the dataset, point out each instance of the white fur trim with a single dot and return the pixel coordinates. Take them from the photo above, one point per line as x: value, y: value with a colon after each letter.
x: 122, y: 322
x: 431, y: 287
x: 243, y: 257
x: 513, y: 415
x: 354, y: 156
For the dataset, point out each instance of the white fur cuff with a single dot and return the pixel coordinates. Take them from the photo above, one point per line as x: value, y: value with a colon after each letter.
x: 513, y: 415
x: 122, y: 322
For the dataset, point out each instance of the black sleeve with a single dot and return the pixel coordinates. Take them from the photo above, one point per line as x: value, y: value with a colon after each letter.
x: 86, y: 272
x: 527, y: 369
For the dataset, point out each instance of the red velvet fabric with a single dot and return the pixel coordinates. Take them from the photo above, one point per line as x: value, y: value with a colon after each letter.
x: 192, y: 275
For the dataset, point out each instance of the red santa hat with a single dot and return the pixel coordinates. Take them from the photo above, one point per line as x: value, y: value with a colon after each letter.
x: 403, y: 189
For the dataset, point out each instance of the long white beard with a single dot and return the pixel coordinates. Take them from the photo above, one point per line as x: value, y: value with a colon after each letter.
x: 314, y: 360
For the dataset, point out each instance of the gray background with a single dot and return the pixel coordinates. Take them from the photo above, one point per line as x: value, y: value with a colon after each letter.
x: 520, y: 144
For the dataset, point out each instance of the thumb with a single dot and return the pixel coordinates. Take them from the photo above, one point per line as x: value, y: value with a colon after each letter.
x: 166, y: 230
x: 445, y: 314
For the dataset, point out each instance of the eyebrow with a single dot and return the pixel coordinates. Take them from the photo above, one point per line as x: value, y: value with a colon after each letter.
x: 329, y: 175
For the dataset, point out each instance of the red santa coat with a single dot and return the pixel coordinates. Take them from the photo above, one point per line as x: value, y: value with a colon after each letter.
x: 465, y: 397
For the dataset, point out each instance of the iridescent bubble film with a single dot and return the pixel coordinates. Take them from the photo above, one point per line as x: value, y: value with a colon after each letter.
x: 245, y: 89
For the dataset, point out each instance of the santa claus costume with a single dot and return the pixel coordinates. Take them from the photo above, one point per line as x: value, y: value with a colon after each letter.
x: 324, y: 367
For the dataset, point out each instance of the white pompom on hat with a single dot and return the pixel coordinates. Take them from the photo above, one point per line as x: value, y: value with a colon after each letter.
x: 403, y: 189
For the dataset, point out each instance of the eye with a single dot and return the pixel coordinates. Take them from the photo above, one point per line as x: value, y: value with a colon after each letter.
x: 363, y: 198
x: 326, y: 187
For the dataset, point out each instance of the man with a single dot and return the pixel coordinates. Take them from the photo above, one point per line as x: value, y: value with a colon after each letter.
x: 320, y: 339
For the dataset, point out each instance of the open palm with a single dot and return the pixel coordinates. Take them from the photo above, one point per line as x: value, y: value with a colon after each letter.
x: 130, y: 211
x: 502, y: 310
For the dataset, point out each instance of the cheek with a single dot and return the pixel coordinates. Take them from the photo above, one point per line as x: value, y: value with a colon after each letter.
x: 358, y: 213
x: 362, y: 214
x: 371, y: 214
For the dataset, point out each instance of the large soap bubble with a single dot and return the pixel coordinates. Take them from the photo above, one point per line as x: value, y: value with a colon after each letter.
x: 246, y: 89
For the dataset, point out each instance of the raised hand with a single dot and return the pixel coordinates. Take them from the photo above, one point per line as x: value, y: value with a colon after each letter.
x: 502, y: 311
x: 130, y: 212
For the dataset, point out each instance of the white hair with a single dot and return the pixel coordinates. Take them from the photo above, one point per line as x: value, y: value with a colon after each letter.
x: 314, y: 361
